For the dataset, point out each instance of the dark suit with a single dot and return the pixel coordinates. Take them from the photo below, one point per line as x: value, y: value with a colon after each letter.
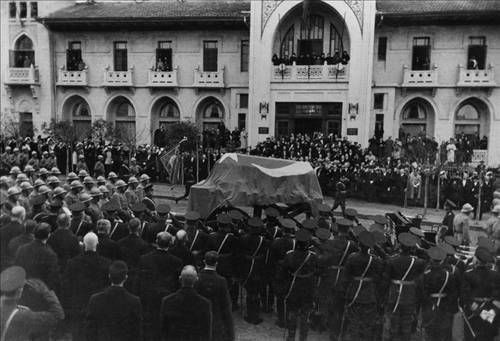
x: 186, y: 315
x: 39, y: 261
x: 8, y: 232
x: 65, y: 245
x: 132, y: 247
x: 114, y: 314
x: 214, y: 287
x: 109, y: 248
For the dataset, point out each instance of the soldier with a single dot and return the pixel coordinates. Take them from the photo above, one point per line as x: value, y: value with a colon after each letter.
x: 120, y: 197
x: 161, y: 223
x: 105, y: 197
x: 81, y: 224
x: 341, y: 249
x: 400, y: 275
x: 198, y: 242
x: 119, y: 228
x: 340, y: 197
x: 53, y: 182
x: 23, y: 199
x: 64, y: 242
x: 99, y: 169
x: 254, y: 249
x: 72, y: 196
x: 82, y: 166
x: 493, y: 228
x: 300, y: 267
x: 440, y: 294
x: 13, y: 195
x: 143, y: 182
x: 325, y: 215
x: 363, y: 277
x: 33, y: 161
x: 159, y: 271
x: 226, y: 244
x: 37, y: 208
x: 107, y: 247
x: 86, y: 274
x: 461, y: 224
x: 88, y: 184
x: 43, y: 174
x: 130, y: 193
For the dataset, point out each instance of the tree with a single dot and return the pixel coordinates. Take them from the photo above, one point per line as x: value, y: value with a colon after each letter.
x: 9, y: 128
x: 177, y: 131
x: 64, y: 132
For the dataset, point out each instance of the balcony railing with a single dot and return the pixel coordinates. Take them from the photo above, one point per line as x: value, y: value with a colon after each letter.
x: 476, y: 78
x: 22, y: 75
x: 163, y: 79
x: 420, y: 78
x: 118, y: 78
x: 72, y: 78
x: 310, y: 73
x: 207, y: 79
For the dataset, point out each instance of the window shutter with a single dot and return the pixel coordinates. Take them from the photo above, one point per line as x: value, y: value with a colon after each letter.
x: 12, y: 58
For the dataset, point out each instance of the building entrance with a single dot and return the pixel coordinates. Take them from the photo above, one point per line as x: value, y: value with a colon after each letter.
x: 308, y: 118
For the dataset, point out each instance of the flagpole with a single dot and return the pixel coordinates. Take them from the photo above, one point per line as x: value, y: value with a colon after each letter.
x: 197, y: 161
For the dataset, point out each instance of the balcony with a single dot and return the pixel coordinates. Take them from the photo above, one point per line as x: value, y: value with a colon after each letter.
x: 476, y: 78
x: 118, y: 78
x: 310, y: 73
x: 420, y: 78
x: 72, y: 78
x: 22, y: 76
x: 208, y: 79
x: 163, y: 79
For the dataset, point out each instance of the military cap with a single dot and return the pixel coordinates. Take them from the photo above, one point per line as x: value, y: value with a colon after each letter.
x: 484, y: 255
x: 52, y: 179
x: 366, y: 238
x: 15, y: 170
x: 37, y: 200
x: 450, y: 250
x: 224, y: 219
x: 12, y: 278
x: 103, y: 189
x: 94, y: 192
x: 272, y: 212
x: 82, y: 173
x: 343, y: 223
x: 84, y: 197
x: 120, y: 183
x: 29, y: 168
x: 21, y: 177
x: 144, y: 177
x: 112, y: 175
x: 323, y: 234
x: 76, y: 184
x: 101, y: 179
x: 133, y: 180
x: 380, y: 219
x: 88, y: 180
x: 43, y: 171
x: 192, y: 216
x: 77, y: 207
x: 310, y: 224
x: 450, y: 203
x: 110, y: 206
x: 138, y: 207
x: 378, y: 236
x: 417, y: 232
x: 351, y: 212
x: 13, y: 191
x: 55, y: 171
x: 324, y: 208
x: 236, y: 215
x: 436, y: 253
x: 38, y: 183
x: 72, y: 176
x: 287, y: 223
x: 357, y: 229
x: 25, y: 186
x: 452, y: 241
x: 303, y: 235
x: 407, y: 239
x: 255, y: 223
x: 163, y: 208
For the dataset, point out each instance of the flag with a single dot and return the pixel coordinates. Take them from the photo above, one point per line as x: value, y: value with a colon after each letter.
x: 165, y: 158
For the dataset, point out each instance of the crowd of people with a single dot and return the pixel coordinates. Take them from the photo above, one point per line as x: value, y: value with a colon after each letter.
x: 342, y: 58
x: 100, y: 259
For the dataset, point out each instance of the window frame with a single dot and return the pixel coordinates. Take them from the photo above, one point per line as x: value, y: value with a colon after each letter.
x: 375, y: 106
x: 382, y: 52
x: 124, y: 60
x: 240, y: 96
x: 12, y: 7
x: 21, y: 4
x: 481, y: 44
x: 426, y: 47
x: 207, y: 64
x: 166, y: 52
x: 33, y: 5
x: 245, y: 57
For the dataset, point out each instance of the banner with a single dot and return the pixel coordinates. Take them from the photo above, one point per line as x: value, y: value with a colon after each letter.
x: 479, y: 155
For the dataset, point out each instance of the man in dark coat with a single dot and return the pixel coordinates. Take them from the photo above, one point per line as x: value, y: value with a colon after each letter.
x: 107, y: 247
x: 114, y: 314
x: 22, y: 239
x: 64, y: 242
x: 186, y: 315
x: 38, y: 258
x: 214, y: 287
x: 86, y: 274
x: 81, y: 223
x: 9, y: 231
x: 159, y: 273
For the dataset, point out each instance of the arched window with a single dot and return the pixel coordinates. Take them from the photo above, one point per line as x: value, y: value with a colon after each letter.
x: 23, y: 54
x: 336, y: 43
x: 471, y: 120
x: 417, y: 119
x: 122, y: 113
x: 415, y: 111
x: 210, y: 113
x: 169, y: 110
x: 287, y: 44
x: 467, y: 112
x: 125, y: 109
x: 311, y: 36
x: 77, y: 111
x: 212, y: 110
x: 81, y: 109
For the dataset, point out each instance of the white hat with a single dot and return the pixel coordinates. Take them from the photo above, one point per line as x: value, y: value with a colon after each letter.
x: 496, y: 209
x: 467, y: 208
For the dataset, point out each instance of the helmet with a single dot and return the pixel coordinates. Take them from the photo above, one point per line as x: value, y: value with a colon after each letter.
x: 112, y: 175
x: 38, y: 183
x: 133, y: 180
x: 101, y: 179
x: 52, y: 179
x: 84, y: 197
x: 44, y: 189
x: 55, y: 171
x: 144, y: 177
x: 58, y: 191
x: 76, y: 184
x: 43, y: 171
x: 21, y: 177
x: 25, y: 186
x: 13, y: 191
x: 72, y: 176
x: 29, y: 168
x: 88, y: 180
x: 95, y: 192
x: 15, y: 170
x: 83, y: 173
x: 120, y: 183
x: 103, y: 189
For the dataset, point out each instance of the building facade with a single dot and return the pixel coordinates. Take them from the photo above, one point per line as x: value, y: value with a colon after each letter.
x: 140, y: 64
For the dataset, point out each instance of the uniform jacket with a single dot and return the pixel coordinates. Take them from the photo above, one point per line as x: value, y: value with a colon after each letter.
x: 186, y: 315
x: 433, y: 281
x: 114, y: 314
x: 370, y: 289
x: 395, y: 269
x: 227, y: 253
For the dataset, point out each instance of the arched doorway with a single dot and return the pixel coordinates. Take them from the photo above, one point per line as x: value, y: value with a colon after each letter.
x: 210, y: 114
x: 472, y: 122
x: 77, y: 110
x: 164, y: 113
x: 23, y: 54
x: 121, y: 113
x: 417, y: 119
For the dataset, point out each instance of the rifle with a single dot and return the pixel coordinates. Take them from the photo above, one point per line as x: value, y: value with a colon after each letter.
x: 466, y: 320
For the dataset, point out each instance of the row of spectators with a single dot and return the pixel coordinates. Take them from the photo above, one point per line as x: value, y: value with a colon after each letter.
x: 312, y: 59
